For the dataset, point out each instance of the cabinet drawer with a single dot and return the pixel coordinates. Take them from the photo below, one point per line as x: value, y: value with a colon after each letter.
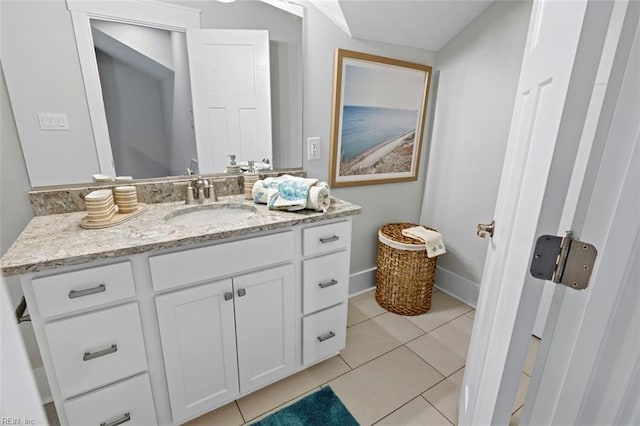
x: 190, y: 266
x: 95, y: 349
x: 87, y: 288
x: 324, y: 333
x: 325, y: 281
x: 129, y: 401
x: 324, y: 238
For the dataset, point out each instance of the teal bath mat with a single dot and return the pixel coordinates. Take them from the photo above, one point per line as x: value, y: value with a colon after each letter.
x: 322, y: 408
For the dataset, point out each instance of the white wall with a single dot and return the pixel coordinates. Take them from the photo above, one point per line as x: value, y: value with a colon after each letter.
x: 135, y: 119
x: 478, y: 75
x: 381, y: 204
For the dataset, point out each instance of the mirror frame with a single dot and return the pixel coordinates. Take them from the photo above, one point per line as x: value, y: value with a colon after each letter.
x: 164, y: 16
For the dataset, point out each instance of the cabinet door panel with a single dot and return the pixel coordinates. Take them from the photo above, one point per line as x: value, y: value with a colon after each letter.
x: 265, y: 310
x: 198, y: 343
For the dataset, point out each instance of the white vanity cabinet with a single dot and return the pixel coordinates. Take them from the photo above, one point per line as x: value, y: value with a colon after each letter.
x: 202, y: 326
x: 164, y: 337
x: 88, y: 326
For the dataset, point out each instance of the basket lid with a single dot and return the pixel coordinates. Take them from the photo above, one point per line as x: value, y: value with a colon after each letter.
x: 393, y: 231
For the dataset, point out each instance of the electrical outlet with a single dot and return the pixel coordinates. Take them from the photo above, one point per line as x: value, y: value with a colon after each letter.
x: 313, y: 148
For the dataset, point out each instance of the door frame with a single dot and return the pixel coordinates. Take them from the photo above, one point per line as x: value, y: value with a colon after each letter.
x: 503, y: 325
x: 158, y: 15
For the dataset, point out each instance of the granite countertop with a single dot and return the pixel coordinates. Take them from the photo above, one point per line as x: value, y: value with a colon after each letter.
x: 57, y: 240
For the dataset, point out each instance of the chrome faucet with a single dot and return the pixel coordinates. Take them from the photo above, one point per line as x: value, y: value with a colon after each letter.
x: 200, y: 191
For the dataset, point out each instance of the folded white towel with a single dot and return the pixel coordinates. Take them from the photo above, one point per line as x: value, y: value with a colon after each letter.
x: 432, y: 239
x: 292, y: 193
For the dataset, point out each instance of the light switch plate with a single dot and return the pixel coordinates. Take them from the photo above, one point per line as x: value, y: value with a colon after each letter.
x: 53, y: 121
x: 313, y: 148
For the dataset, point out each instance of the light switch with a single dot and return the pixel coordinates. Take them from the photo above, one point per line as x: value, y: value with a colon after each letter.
x: 53, y: 121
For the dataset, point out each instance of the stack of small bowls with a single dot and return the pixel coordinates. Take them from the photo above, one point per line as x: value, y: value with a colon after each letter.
x: 100, y: 206
x: 126, y: 199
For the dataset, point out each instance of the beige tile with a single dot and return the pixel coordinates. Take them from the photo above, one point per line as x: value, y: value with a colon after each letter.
x: 522, y: 392
x: 532, y: 353
x: 471, y: 314
x: 444, y: 396
x: 418, y: 412
x: 515, y: 418
x: 444, y: 308
x: 227, y: 415
x: 276, y: 409
x: 445, y: 348
x: 52, y: 414
x: 265, y: 399
x: 362, y: 307
x: 376, y: 336
x: 384, y: 384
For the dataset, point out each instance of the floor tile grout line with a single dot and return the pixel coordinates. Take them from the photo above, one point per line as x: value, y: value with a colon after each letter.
x: 436, y: 408
x: 367, y: 319
x: 244, y: 421
x: 438, y: 371
x: 441, y: 325
x: 396, y: 409
x: 280, y: 406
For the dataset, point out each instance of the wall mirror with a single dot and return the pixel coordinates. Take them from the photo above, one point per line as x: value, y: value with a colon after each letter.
x: 184, y: 84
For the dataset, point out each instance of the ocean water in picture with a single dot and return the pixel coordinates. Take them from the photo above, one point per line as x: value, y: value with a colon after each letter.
x: 364, y: 127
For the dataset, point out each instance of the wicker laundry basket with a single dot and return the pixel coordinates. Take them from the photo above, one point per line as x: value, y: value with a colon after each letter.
x: 405, y: 276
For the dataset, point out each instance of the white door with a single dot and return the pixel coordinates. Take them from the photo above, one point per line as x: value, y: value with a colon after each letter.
x: 265, y: 315
x: 199, y: 347
x: 231, y: 91
x: 589, y: 360
x: 562, y: 55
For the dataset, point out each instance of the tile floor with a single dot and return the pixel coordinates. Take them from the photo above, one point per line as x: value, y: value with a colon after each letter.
x: 394, y: 370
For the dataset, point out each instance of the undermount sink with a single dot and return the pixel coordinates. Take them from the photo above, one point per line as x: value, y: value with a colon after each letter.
x: 211, y: 214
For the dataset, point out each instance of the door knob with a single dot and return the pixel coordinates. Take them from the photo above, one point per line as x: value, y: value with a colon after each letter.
x: 485, y: 230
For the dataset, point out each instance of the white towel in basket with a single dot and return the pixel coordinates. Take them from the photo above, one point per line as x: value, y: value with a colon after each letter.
x: 432, y: 239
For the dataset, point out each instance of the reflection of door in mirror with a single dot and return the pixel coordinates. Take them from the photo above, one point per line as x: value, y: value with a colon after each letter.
x: 144, y: 78
x: 230, y: 81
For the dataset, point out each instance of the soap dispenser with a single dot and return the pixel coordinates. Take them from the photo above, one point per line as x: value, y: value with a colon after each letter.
x: 250, y: 178
x: 232, y: 167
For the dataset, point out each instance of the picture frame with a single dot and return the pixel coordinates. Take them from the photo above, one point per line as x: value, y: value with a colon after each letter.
x: 379, y: 113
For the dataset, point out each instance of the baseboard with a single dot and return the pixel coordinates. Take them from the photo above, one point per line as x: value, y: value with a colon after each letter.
x: 43, y: 385
x: 362, y: 281
x: 456, y: 286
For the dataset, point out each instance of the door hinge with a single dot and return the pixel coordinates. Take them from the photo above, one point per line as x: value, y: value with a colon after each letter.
x: 563, y: 260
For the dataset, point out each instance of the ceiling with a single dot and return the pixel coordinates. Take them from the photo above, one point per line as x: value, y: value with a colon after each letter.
x: 423, y: 24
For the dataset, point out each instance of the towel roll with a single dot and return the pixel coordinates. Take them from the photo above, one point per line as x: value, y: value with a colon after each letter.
x: 259, y: 192
x: 319, y: 197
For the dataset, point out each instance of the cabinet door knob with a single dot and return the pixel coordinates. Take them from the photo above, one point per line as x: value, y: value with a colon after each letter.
x: 123, y: 419
x: 242, y: 292
x: 93, y: 355
x: 326, y: 336
x: 328, y: 283
x: 228, y: 295
x: 79, y: 293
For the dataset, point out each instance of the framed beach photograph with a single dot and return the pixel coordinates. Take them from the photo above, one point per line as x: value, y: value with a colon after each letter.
x: 379, y: 110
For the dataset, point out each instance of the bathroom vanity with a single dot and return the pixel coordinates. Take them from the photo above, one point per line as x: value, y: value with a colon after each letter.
x: 151, y: 322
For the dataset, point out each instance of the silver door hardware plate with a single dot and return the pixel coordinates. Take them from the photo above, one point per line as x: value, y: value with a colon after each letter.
x: 563, y: 260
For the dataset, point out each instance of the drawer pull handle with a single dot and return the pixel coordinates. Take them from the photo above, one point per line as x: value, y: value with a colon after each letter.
x: 328, y: 283
x: 242, y: 292
x: 330, y: 239
x: 125, y: 418
x: 326, y: 336
x: 228, y: 295
x: 92, y: 355
x: 79, y: 293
